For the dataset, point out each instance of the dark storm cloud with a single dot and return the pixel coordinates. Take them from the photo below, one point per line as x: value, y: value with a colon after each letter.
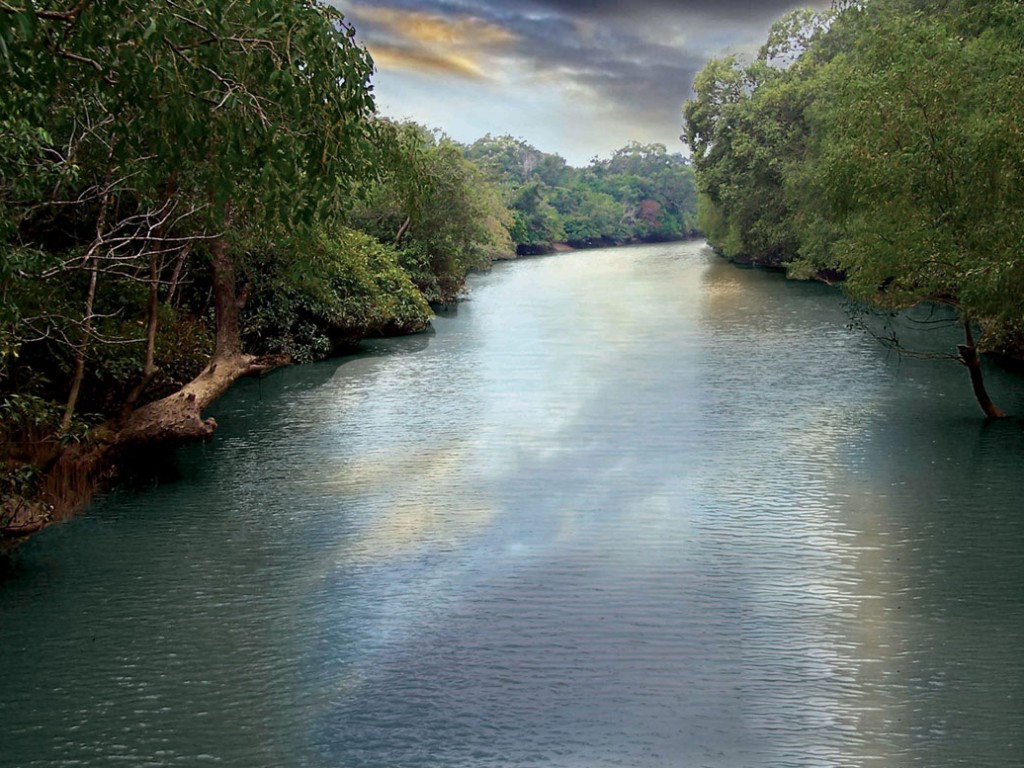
x: 723, y: 9
x: 635, y: 60
x: 604, y: 41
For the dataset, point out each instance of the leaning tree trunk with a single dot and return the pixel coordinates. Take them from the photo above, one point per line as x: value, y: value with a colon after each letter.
x: 969, y: 357
x: 174, y: 420
x: 178, y: 417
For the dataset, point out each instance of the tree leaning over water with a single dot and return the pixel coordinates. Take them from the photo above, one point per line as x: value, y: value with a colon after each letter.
x: 922, y: 160
x: 149, y: 148
x: 889, y: 152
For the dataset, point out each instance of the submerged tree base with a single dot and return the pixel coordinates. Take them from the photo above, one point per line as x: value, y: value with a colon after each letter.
x: 80, y: 471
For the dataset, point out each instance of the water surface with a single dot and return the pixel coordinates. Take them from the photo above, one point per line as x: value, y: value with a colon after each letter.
x: 629, y: 507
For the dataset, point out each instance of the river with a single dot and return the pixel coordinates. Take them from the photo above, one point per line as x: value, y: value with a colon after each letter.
x: 628, y: 507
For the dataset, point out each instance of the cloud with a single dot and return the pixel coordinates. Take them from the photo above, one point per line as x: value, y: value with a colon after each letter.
x: 636, y: 54
x: 418, y: 60
x: 435, y: 28
x: 631, y: 65
x: 727, y: 10
x: 457, y: 45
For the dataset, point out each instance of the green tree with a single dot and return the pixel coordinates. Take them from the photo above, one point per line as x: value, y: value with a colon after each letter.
x: 589, y: 217
x: 922, y: 161
x: 747, y: 131
x: 172, y: 132
x: 435, y: 207
x: 345, y: 287
x: 536, y: 223
x: 879, y: 143
x: 515, y: 162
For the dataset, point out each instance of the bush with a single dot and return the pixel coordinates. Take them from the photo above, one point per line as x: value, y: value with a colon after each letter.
x: 340, y: 287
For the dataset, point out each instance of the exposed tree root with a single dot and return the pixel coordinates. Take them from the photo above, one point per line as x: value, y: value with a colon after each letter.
x: 78, y: 472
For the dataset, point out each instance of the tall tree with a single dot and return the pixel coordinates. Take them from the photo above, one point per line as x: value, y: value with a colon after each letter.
x: 880, y: 143
x: 922, y: 160
x: 438, y: 209
x: 239, y: 115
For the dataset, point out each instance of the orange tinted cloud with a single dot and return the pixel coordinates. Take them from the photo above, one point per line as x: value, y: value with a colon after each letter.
x: 420, y: 59
x: 457, y: 46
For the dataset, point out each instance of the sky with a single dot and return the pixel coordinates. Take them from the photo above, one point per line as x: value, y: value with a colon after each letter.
x: 577, y: 78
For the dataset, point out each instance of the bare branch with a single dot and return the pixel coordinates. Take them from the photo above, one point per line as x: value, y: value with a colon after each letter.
x: 42, y: 13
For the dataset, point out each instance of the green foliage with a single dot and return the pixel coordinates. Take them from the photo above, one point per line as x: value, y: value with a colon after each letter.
x: 885, y: 144
x: 922, y: 161
x: 253, y: 105
x: 26, y: 413
x: 345, y: 286
x: 514, y: 162
x: 656, y: 189
x: 135, y: 133
x: 748, y: 132
x: 537, y: 223
x: 588, y: 215
x: 641, y: 193
x: 882, y: 143
x: 435, y: 207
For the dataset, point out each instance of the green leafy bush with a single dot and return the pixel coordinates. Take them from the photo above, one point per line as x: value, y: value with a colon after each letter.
x: 331, y: 290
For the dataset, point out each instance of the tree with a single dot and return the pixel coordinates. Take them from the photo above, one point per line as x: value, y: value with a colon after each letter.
x: 747, y: 131
x: 142, y: 144
x: 516, y: 162
x: 880, y: 144
x: 536, y: 223
x: 589, y: 217
x: 436, y: 208
x: 922, y: 161
x: 176, y: 130
x: 655, y: 188
x: 345, y: 287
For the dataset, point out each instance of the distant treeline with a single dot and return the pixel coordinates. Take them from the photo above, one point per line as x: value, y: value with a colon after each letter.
x: 198, y: 190
x: 881, y: 143
x: 642, y: 193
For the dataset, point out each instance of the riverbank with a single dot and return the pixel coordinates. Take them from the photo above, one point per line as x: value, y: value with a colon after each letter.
x: 1003, y: 346
x: 75, y: 473
x: 548, y: 248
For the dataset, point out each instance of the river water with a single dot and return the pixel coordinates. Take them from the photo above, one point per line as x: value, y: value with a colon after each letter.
x: 631, y: 507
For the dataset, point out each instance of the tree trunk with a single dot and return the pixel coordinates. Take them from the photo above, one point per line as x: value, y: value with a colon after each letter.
x: 403, y: 229
x: 179, y: 265
x: 969, y: 357
x: 227, y: 304
x: 178, y: 418
x: 175, y: 419
x: 91, y: 264
x: 83, y: 346
x: 149, y: 368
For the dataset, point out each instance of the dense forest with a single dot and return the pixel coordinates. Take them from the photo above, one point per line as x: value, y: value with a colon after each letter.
x: 195, y: 191
x: 879, y: 143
